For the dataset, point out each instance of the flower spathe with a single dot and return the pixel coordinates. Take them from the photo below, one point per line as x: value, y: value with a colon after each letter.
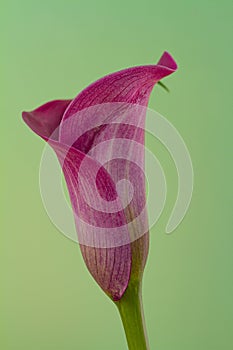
x: 75, y: 129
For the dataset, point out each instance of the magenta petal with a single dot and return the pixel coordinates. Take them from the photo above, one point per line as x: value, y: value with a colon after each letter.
x: 110, y: 267
x: 45, y: 120
x: 86, y: 130
x: 129, y: 86
x: 104, y: 235
x: 95, y: 116
x: 166, y: 60
x: 132, y: 86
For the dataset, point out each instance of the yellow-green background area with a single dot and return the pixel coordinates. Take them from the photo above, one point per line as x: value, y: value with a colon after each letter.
x: 53, y: 49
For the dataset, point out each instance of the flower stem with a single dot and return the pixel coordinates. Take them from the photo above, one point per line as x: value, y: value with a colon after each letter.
x: 132, y: 316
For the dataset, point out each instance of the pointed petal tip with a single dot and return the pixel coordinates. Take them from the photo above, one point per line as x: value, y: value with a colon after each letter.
x: 46, y: 118
x: 131, y: 85
x: 33, y: 122
x: 168, y: 61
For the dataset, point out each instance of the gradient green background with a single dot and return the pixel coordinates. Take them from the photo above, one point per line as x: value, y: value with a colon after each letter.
x: 53, y: 49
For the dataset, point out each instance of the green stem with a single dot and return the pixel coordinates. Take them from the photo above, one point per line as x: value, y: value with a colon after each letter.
x: 132, y: 316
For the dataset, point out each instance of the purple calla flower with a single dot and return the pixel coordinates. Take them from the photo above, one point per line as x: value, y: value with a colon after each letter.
x: 114, y: 250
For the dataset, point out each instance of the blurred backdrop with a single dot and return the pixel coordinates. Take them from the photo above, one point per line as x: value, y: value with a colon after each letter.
x: 53, y: 49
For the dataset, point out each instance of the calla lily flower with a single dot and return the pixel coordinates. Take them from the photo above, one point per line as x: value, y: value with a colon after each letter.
x: 98, y: 177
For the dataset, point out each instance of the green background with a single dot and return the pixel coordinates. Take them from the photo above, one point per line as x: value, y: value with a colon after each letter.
x: 53, y: 49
